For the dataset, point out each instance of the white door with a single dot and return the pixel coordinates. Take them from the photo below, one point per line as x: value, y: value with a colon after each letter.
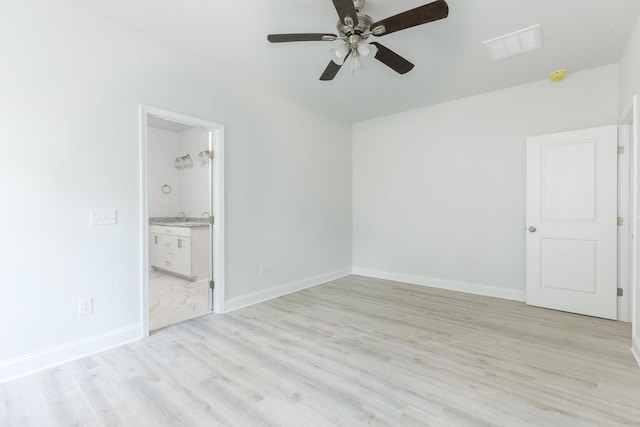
x: 571, y: 224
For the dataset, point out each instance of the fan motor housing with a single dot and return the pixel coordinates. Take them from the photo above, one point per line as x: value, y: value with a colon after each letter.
x: 364, y: 23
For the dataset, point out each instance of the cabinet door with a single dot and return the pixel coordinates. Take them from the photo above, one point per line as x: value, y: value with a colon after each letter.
x: 154, y: 250
x: 181, y: 255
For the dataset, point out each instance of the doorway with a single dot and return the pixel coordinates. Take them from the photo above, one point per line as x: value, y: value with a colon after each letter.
x: 181, y: 217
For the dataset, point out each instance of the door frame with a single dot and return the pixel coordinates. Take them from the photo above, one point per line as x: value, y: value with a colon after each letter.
x: 635, y: 288
x: 631, y: 116
x: 628, y: 122
x: 216, y: 177
x: 625, y: 211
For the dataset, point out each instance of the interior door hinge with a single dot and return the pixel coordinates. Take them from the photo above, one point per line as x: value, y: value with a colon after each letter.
x: 620, y: 221
x: 620, y: 292
x: 212, y: 285
x: 621, y: 150
x: 211, y: 220
x: 211, y: 155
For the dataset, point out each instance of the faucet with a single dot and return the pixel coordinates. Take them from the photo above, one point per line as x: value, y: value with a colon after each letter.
x: 184, y: 217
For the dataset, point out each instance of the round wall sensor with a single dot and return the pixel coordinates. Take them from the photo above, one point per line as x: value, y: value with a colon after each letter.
x: 558, y: 75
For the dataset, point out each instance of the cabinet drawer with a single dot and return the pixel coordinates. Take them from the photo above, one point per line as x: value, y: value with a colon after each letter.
x: 166, y: 261
x: 171, y: 231
x: 164, y: 242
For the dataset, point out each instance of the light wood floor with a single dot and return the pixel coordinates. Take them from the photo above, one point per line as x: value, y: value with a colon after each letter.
x: 352, y: 352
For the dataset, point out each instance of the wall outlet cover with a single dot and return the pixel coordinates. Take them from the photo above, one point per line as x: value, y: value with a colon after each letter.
x: 85, y: 306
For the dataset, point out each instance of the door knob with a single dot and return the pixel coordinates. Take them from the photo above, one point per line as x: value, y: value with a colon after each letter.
x: 532, y: 229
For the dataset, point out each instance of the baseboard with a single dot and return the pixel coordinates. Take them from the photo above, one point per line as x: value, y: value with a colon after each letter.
x: 451, y: 285
x: 635, y: 349
x: 278, y: 291
x: 33, y: 362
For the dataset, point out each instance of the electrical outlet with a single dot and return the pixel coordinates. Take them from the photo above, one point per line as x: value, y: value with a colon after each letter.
x: 263, y: 270
x: 85, y: 306
x: 103, y: 216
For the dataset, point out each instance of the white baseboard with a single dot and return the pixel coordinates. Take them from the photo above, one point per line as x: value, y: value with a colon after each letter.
x: 278, y: 291
x: 452, y: 285
x: 33, y: 362
x: 635, y: 349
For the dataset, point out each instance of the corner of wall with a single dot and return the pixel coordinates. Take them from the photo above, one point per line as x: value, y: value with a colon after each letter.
x: 282, y: 290
x: 450, y: 285
x: 629, y: 70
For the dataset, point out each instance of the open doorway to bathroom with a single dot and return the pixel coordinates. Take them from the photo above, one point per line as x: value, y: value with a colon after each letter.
x: 182, y: 217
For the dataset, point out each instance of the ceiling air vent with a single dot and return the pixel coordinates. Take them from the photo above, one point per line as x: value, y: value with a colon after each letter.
x: 514, y: 43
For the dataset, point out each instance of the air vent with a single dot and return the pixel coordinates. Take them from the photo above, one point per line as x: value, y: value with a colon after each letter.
x: 515, y: 43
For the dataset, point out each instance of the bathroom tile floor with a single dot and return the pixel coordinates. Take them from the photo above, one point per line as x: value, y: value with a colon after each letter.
x: 173, y: 300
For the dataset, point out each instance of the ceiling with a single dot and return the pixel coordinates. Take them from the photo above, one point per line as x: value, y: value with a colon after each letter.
x: 158, y: 123
x: 450, y: 60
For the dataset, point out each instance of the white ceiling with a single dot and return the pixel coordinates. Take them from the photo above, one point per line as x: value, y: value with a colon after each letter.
x: 158, y: 123
x: 450, y: 59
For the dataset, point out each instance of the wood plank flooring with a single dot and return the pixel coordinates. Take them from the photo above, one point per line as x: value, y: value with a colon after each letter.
x: 352, y: 352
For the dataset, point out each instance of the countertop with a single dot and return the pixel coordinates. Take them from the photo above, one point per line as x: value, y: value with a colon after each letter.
x: 178, y: 221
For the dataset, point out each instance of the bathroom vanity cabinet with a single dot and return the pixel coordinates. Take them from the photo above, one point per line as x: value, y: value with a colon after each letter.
x: 182, y: 251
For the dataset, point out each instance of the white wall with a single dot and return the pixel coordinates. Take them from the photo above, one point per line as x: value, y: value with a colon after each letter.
x: 164, y: 147
x: 630, y: 86
x: 630, y: 70
x: 71, y: 85
x: 189, y: 186
x: 439, y: 192
x: 195, y: 180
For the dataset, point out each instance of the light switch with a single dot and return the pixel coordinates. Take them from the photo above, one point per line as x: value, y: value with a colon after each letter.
x: 103, y: 216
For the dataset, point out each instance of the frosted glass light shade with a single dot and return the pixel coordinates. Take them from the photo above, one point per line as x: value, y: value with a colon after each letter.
x: 373, y: 50
x: 365, y: 49
x: 339, y: 54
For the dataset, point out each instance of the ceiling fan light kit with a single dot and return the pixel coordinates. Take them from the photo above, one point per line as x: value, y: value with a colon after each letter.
x: 355, y: 28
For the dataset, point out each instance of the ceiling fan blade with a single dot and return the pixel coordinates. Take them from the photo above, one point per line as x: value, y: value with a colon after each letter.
x: 346, y: 9
x: 392, y: 59
x: 332, y: 69
x: 303, y: 37
x: 418, y: 16
x: 330, y: 72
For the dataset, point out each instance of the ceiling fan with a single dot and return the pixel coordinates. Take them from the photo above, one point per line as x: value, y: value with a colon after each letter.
x: 354, y: 28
